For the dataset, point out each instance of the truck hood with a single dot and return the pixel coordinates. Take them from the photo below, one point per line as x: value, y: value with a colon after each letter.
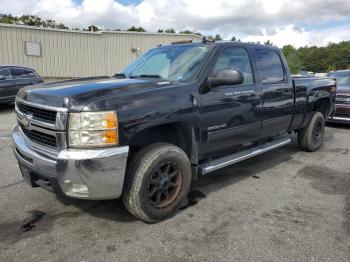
x: 75, y: 94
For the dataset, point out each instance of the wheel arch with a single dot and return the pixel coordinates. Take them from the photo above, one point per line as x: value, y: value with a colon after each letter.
x: 181, y: 134
x: 322, y: 105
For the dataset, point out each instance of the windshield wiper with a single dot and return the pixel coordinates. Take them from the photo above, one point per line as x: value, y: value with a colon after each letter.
x: 145, y: 75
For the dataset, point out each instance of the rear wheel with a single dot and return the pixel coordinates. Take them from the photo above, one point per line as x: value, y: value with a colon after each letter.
x: 158, y: 182
x: 310, y: 138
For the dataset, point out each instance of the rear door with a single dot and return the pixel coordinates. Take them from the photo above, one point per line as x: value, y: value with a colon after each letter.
x: 277, y: 91
x: 6, y: 84
x: 230, y: 113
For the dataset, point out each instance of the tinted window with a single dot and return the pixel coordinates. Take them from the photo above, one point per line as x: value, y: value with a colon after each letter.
x: 235, y: 58
x: 30, y: 73
x: 22, y: 73
x: 5, y: 73
x: 269, y: 66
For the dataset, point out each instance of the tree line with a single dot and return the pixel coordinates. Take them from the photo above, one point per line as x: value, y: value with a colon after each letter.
x: 318, y: 59
x: 30, y: 20
x: 313, y: 58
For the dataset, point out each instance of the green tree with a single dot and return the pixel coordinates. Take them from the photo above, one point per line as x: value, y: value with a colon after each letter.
x: 8, y: 19
x: 136, y: 29
x: 160, y: 31
x: 170, y: 31
x: 268, y: 42
x: 186, y: 32
x: 233, y: 38
x: 92, y: 28
x: 293, y: 59
x: 30, y: 20
x: 218, y: 37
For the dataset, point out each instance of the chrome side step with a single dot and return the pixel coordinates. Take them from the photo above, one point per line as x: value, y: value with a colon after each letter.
x: 216, y: 164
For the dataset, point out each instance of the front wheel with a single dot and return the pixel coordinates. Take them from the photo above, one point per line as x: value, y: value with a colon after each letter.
x: 310, y: 138
x: 158, y: 182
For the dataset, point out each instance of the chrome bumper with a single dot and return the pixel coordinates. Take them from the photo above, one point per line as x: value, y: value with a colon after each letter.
x: 87, y: 174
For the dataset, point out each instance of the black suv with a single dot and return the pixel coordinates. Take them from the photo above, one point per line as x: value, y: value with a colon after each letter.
x: 12, y: 78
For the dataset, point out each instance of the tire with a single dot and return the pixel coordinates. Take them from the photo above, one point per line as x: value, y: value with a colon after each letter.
x: 158, y: 182
x: 310, y: 138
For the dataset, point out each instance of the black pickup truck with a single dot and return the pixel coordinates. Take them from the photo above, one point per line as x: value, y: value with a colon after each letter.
x: 177, y: 112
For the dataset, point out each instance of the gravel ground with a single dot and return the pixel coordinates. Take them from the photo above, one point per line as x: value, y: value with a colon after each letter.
x: 286, y: 205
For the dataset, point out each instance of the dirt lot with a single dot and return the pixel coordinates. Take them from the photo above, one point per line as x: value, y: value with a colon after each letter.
x: 286, y: 205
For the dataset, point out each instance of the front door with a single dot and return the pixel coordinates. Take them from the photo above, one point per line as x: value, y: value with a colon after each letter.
x: 230, y: 113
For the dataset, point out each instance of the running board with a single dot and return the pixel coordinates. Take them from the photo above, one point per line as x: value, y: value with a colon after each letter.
x: 216, y: 164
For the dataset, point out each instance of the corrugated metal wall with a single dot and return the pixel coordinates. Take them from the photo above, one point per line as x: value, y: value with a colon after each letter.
x: 66, y: 53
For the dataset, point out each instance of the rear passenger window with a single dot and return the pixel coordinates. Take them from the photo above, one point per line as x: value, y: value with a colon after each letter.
x: 235, y: 58
x: 18, y: 73
x: 22, y: 73
x: 269, y: 66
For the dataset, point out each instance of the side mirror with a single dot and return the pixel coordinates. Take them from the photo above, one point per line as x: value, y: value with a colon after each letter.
x: 227, y: 77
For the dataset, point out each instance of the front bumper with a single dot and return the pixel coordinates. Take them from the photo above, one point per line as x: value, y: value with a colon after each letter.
x: 341, y: 114
x: 86, y: 174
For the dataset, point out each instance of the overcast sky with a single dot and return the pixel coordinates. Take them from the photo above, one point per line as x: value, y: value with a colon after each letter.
x: 296, y: 22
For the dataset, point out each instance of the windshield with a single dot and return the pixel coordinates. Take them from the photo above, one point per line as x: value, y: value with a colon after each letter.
x: 343, y: 79
x: 179, y: 63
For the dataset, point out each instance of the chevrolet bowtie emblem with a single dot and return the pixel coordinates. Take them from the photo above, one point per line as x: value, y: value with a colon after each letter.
x: 26, y: 121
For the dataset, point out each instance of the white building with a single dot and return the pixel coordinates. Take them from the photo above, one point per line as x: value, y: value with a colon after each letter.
x: 68, y: 53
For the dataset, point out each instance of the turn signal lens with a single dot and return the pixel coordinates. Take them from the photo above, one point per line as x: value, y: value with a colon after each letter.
x: 111, y: 120
x: 110, y: 137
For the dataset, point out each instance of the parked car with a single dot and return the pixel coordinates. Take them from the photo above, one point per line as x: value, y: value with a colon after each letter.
x: 176, y: 112
x: 12, y: 78
x: 342, y: 102
x: 306, y: 74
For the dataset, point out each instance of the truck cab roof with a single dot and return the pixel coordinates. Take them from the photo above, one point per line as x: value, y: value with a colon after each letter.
x: 222, y: 43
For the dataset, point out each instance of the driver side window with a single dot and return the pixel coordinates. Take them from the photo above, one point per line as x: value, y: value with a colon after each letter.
x: 235, y: 58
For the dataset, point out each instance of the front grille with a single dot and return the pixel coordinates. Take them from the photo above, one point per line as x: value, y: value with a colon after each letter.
x: 40, y: 137
x: 341, y: 99
x: 38, y: 113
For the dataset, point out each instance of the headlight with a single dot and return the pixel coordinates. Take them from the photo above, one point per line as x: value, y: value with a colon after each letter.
x: 89, y: 129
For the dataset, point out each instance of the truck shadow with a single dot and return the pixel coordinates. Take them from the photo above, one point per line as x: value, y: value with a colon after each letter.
x: 251, y: 168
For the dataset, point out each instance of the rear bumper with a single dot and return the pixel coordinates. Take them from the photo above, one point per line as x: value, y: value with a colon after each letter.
x: 86, y: 174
